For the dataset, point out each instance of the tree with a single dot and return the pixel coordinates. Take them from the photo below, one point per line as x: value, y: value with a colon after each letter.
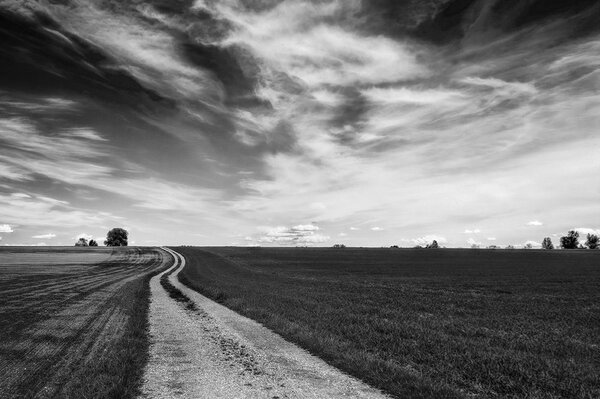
x: 510, y: 247
x: 547, y: 243
x: 433, y: 245
x: 339, y: 246
x: 82, y: 242
x: 592, y: 241
x: 93, y: 243
x: 528, y: 245
x: 570, y: 241
x: 116, y: 237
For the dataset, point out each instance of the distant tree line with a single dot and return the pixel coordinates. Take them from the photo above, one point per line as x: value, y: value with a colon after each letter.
x: 570, y: 241
x: 116, y: 237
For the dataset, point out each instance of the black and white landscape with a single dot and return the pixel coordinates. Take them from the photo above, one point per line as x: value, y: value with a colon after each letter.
x: 299, y: 199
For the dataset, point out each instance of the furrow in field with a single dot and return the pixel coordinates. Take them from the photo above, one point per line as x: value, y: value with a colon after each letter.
x: 56, y: 328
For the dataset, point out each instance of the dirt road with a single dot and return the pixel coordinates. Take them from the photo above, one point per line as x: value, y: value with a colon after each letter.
x: 200, y: 349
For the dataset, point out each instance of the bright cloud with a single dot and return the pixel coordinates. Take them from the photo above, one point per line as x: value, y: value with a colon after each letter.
x: 584, y: 231
x: 473, y: 242
x: 328, y: 111
x: 297, y: 235
x: 428, y: 239
x: 45, y: 236
x: 5, y: 228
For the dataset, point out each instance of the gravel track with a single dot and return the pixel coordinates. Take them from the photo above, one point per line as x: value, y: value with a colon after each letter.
x: 201, y: 349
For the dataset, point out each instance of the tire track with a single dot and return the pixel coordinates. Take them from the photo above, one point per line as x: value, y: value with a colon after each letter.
x: 200, y: 349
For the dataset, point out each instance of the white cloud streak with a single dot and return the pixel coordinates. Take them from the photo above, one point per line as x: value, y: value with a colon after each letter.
x: 6, y: 228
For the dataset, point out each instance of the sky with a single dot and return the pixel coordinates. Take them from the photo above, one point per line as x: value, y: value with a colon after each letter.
x: 262, y: 122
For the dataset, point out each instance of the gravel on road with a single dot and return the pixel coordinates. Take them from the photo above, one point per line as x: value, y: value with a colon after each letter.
x: 201, y: 349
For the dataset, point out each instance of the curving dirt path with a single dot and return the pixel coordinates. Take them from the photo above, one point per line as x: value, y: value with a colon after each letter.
x: 200, y: 349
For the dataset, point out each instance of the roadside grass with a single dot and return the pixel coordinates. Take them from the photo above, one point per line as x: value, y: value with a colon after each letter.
x: 424, y: 323
x: 83, y: 331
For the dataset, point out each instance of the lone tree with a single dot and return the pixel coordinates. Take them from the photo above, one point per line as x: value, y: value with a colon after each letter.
x: 547, y: 243
x: 116, y: 237
x: 93, y: 243
x: 570, y: 241
x: 592, y: 241
x: 82, y: 242
x: 433, y: 245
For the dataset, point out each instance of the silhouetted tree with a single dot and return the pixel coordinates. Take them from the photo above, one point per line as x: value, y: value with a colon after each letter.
x: 528, y: 245
x: 592, y: 241
x: 570, y: 241
x: 339, y: 246
x: 547, y: 243
x: 93, y: 243
x: 510, y: 247
x: 82, y: 242
x: 116, y: 237
x: 433, y: 245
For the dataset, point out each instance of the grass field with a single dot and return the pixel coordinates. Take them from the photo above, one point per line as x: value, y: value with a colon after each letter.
x: 424, y: 323
x: 73, y: 321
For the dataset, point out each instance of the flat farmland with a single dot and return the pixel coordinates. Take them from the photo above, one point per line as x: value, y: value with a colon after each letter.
x: 424, y: 323
x: 73, y: 321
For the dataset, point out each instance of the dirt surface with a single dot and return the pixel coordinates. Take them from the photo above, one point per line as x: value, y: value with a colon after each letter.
x: 200, y: 349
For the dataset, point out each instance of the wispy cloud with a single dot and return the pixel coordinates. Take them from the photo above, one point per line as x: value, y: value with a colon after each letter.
x: 44, y: 236
x: 535, y: 223
x: 327, y: 111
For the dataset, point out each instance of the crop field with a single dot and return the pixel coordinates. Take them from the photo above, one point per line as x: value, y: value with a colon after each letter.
x: 424, y: 323
x: 73, y: 320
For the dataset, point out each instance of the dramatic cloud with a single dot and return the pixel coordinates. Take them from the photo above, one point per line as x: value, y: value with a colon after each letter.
x: 195, y: 122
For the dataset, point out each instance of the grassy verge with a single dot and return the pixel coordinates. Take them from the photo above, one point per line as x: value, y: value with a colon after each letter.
x: 118, y: 372
x: 421, y: 324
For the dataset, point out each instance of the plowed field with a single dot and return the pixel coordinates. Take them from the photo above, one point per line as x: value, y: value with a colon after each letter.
x: 73, y: 321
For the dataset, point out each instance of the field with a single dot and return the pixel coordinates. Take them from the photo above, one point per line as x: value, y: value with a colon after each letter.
x: 424, y: 323
x: 73, y: 321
